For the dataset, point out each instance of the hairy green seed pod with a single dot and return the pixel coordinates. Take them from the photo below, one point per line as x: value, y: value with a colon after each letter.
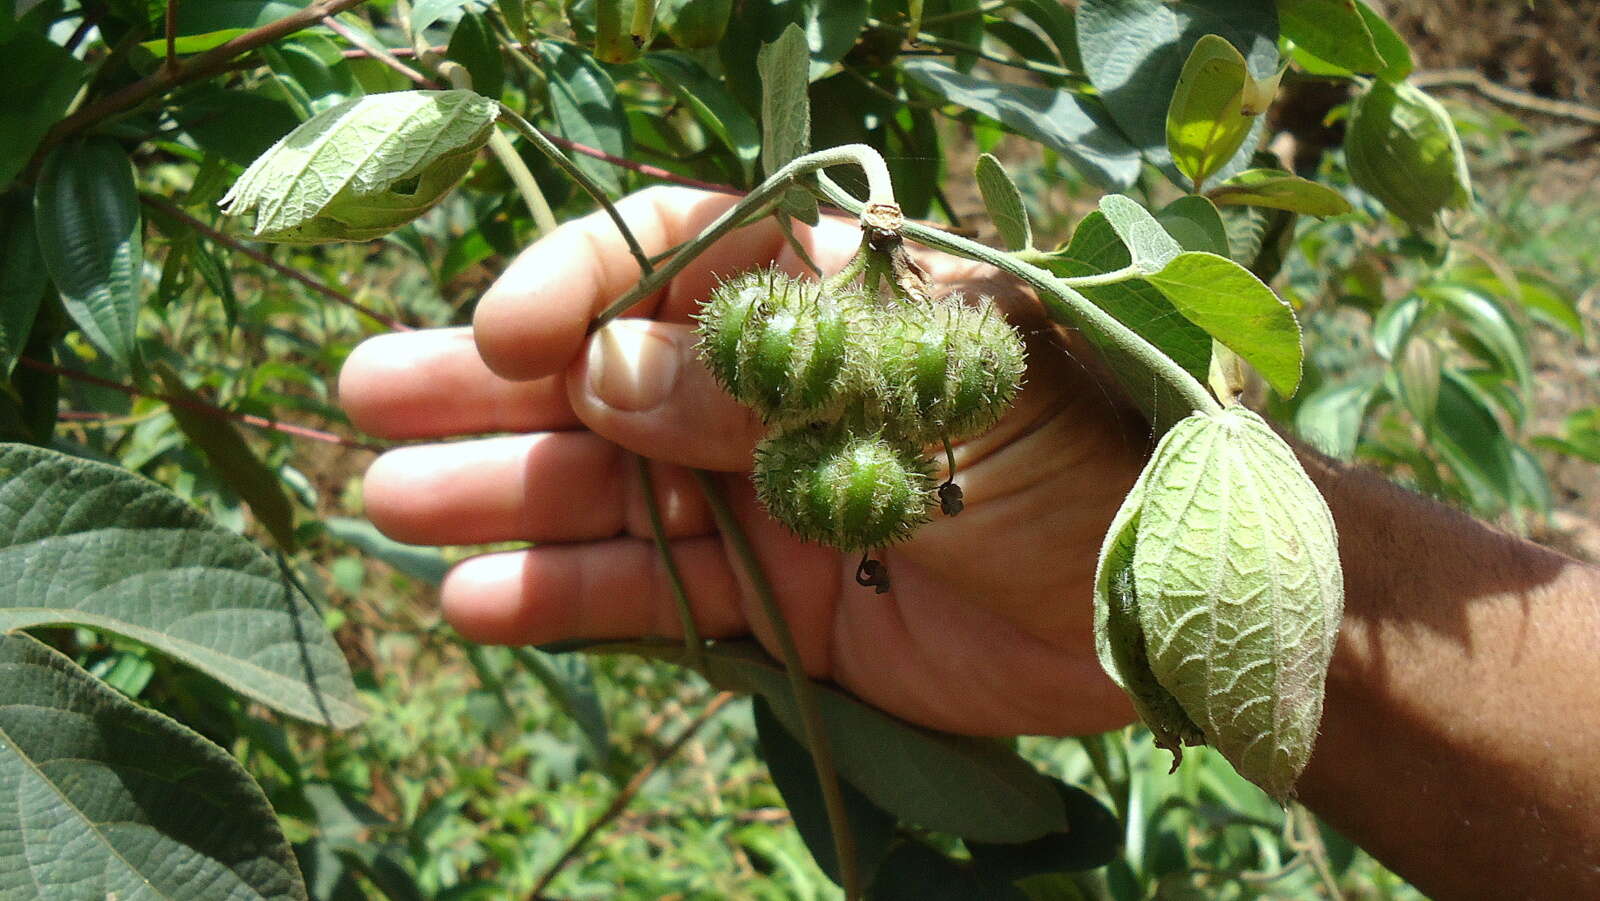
x: 1218, y: 596
x: 943, y: 370
x: 850, y: 491
x: 783, y: 345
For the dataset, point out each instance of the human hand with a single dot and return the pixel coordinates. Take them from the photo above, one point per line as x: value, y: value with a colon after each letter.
x: 987, y: 628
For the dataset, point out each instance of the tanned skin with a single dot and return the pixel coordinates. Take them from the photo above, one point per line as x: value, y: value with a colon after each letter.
x: 1463, y: 705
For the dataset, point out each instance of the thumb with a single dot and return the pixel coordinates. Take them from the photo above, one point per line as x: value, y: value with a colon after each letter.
x: 640, y: 384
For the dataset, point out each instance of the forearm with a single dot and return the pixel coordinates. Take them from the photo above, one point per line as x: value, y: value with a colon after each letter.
x: 1463, y: 704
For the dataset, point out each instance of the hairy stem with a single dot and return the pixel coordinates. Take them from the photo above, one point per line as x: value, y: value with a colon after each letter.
x: 1064, y: 304
x: 816, y: 734
x: 880, y: 192
x: 680, y: 596
x: 537, y: 138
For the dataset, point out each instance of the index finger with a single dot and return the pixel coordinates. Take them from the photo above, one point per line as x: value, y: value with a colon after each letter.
x: 534, y: 320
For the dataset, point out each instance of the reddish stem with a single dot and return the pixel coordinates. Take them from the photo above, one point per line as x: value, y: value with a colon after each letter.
x: 171, y: 209
x: 249, y: 419
x: 381, y: 54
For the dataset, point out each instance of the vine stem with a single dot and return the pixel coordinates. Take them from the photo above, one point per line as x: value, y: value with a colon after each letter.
x: 816, y: 733
x: 680, y: 595
x: 168, y: 208
x: 1063, y: 302
x: 880, y: 192
x: 625, y: 795
x: 549, y: 149
x: 250, y: 419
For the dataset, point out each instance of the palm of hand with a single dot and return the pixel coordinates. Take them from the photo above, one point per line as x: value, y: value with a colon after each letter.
x: 986, y: 629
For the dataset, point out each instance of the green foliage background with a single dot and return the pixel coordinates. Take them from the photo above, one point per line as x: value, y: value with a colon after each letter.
x: 142, y: 332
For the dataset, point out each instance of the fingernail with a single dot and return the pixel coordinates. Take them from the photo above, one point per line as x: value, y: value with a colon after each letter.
x: 631, y: 367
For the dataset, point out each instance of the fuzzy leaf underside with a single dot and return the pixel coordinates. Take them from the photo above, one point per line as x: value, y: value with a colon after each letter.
x: 362, y: 148
x: 1236, y: 572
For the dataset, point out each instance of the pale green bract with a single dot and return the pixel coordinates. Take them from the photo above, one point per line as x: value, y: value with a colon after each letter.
x: 1218, y: 596
x: 359, y: 170
x: 1402, y: 148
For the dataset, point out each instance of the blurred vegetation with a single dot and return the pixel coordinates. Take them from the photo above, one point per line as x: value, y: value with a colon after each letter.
x: 480, y: 769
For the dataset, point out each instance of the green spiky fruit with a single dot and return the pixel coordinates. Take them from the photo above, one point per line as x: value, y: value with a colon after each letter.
x: 783, y: 345
x: 831, y: 485
x: 945, y: 370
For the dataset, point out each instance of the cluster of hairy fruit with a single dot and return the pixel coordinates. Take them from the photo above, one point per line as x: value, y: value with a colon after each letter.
x: 856, y: 391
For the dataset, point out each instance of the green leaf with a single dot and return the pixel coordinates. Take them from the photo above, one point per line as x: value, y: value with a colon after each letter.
x: 190, y: 44
x: 23, y: 278
x: 220, y: 15
x: 1402, y: 148
x: 1149, y: 245
x: 1334, y: 31
x: 694, y: 24
x: 1096, y: 249
x: 794, y: 772
x: 41, y: 80
x: 1070, y: 124
x: 1134, y: 50
x: 87, y: 216
x: 365, y: 167
x: 314, y: 71
x: 1395, y: 55
x: 1237, y: 575
x: 1548, y: 302
x: 1582, y: 436
x: 1239, y: 310
x: 427, y: 564
x: 237, y: 125
x: 570, y: 681
x: 1532, y: 485
x: 587, y: 110
x: 1193, y: 221
x: 970, y: 787
x: 515, y: 12
x: 1394, y: 323
x: 1469, y: 437
x: 915, y: 872
x: 1489, y: 322
x: 1330, y: 418
x: 1092, y: 840
x: 1056, y: 21
x: 474, y: 46
x: 83, y: 543
x: 426, y: 12
x: 786, y: 113
x: 711, y: 102
x: 1004, y: 203
x: 1279, y: 190
x: 1026, y: 44
x: 231, y: 458
x: 1208, y: 121
x: 107, y: 799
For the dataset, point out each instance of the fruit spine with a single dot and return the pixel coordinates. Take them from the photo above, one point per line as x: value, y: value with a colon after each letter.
x: 856, y: 390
